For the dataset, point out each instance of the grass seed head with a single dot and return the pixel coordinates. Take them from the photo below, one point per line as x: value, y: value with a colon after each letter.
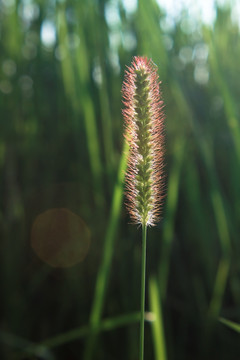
x: 143, y: 117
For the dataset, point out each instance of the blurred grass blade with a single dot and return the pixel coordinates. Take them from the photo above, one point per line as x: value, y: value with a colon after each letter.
x: 66, y: 63
x: 100, y: 42
x: 221, y: 220
x: 147, y: 24
x: 228, y: 100
x: 170, y: 212
x: 218, y: 290
x: 217, y: 201
x: 158, y: 323
x: 75, y: 70
x: 232, y: 325
x: 25, y: 346
x: 13, y: 37
x: 104, y: 270
x: 41, y: 349
x: 107, y: 324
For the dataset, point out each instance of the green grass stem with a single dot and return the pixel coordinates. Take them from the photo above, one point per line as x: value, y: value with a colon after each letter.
x: 143, y: 286
x: 157, y: 324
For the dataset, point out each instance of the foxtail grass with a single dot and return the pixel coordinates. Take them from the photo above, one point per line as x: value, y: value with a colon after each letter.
x: 143, y: 118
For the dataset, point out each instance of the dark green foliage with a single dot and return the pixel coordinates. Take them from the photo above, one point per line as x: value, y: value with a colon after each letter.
x: 60, y: 147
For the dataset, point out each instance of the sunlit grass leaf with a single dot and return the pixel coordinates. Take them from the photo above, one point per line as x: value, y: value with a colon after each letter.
x: 232, y: 325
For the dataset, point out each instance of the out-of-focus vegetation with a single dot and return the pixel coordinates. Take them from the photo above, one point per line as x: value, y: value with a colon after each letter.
x: 61, y: 147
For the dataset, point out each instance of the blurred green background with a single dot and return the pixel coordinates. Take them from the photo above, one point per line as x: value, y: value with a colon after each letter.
x: 70, y: 260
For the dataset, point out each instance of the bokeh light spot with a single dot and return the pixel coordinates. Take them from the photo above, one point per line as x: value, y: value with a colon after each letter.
x: 185, y: 54
x: 60, y: 238
x: 48, y: 33
x: 201, y: 74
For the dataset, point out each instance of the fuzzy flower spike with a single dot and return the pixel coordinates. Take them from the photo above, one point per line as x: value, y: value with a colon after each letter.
x: 143, y: 118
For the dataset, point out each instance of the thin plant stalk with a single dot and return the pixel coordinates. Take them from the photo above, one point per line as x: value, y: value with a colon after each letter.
x: 143, y: 286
